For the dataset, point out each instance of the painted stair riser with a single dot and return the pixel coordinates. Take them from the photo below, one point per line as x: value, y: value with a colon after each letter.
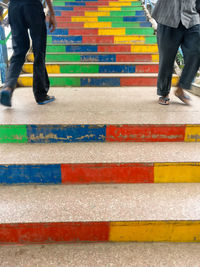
x: 103, y: 31
x: 96, y: 81
x: 103, y: 19
x: 56, y: 69
x: 102, y: 48
x: 137, y: 12
x: 98, y: 133
x: 96, y: 8
x: 98, y: 173
x: 136, y: 231
x: 68, y: 25
x: 103, y: 39
x: 98, y: 4
x: 99, y: 58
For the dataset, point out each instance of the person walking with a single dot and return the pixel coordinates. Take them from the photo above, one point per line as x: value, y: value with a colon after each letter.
x: 178, y: 25
x: 29, y: 15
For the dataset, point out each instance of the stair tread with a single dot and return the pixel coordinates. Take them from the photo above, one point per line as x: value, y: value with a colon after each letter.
x: 99, y: 203
x: 98, y: 255
x: 92, y: 105
x: 75, y: 153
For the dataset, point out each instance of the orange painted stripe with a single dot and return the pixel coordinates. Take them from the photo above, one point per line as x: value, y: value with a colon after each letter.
x: 107, y: 173
x: 30, y: 233
x: 145, y: 133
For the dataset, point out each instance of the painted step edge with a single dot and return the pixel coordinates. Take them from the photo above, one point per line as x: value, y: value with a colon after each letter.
x: 75, y: 232
x: 100, y: 173
x: 99, y: 133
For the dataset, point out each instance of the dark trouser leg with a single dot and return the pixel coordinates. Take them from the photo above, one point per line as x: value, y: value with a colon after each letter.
x: 191, y: 51
x: 169, y: 40
x: 38, y: 32
x: 20, y: 41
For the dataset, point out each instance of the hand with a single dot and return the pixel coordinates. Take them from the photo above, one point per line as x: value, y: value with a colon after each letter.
x: 52, y: 22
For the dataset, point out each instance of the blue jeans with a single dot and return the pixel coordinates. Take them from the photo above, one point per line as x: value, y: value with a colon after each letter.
x: 169, y: 40
x: 24, y: 17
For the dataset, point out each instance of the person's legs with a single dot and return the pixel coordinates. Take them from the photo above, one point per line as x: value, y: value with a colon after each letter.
x: 169, y: 40
x: 20, y: 42
x: 35, y: 18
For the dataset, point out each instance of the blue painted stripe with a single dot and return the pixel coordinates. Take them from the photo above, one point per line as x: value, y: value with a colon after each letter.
x: 98, y: 58
x: 58, y: 32
x: 57, y: 13
x: 63, y: 8
x: 117, y: 69
x: 145, y: 24
x: 66, y: 39
x: 139, y: 13
x: 65, y: 134
x: 103, y: 82
x: 74, y: 4
x: 33, y: 174
x: 81, y: 48
x: 132, y: 18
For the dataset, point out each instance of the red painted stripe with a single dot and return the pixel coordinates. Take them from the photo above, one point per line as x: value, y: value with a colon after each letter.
x: 134, y: 57
x: 63, y: 19
x: 65, y: 25
x: 145, y: 133
x: 114, y: 48
x: 72, y: 13
x: 107, y: 173
x: 28, y: 233
x: 147, y: 68
x: 86, y: 8
x: 138, y: 81
x: 98, y: 39
x: 83, y: 32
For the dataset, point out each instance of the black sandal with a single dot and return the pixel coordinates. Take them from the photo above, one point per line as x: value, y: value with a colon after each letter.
x: 163, y: 100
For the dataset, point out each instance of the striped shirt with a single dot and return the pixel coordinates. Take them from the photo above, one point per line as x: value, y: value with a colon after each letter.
x: 172, y: 12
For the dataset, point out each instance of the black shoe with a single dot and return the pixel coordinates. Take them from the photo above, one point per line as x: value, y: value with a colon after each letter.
x: 5, y: 97
x: 47, y: 99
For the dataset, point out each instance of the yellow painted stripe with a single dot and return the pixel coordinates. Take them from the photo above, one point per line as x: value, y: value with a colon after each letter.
x: 83, y: 19
x: 98, y: 25
x: 128, y: 1
x: 25, y: 81
x: 155, y: 58
x: 30, y: 57
x: 129, y: 40
x: 175, y: 81
x: 55, y: 69
x: 177, y: 172
x: 96, y: 14
x: 192, y: 133
x: 155, y: 231
x: 119, y: 4
x: 109, y: 9
x: 144, y: 49
x: 112, y: 31
x: 4, y: 14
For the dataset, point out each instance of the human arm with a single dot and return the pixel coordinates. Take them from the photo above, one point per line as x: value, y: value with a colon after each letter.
x: 52, y: 19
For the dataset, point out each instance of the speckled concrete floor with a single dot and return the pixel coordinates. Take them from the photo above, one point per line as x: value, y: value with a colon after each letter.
x: 99, y: 152
x: 102, y: 255
x: 99, y: 203
x: 99, y: 106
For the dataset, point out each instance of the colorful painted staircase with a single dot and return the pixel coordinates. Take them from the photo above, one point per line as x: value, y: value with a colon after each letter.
x: 103, y: 43
x: 104, y: 162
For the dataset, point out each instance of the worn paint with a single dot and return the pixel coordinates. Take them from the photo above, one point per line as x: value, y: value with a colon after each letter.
x: 13, y: 134
x: 192, y: 133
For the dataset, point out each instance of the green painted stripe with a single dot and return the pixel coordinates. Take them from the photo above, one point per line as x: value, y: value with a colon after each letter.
x: 55, y: 48
x: 150, y: 40
x: 63, y: 57
x: 140, y: 31
x: 122, y: 13
x: 110, y: 19
x: 49, y: 39
x: 125, y: 24
x: 13, y: 134
x: 79, y: 69
x: 124, y: 8
x: 65, y: 81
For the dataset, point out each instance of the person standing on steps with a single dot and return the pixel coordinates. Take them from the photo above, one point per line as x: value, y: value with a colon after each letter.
x: 178, y: 25
x: 29, y: 15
